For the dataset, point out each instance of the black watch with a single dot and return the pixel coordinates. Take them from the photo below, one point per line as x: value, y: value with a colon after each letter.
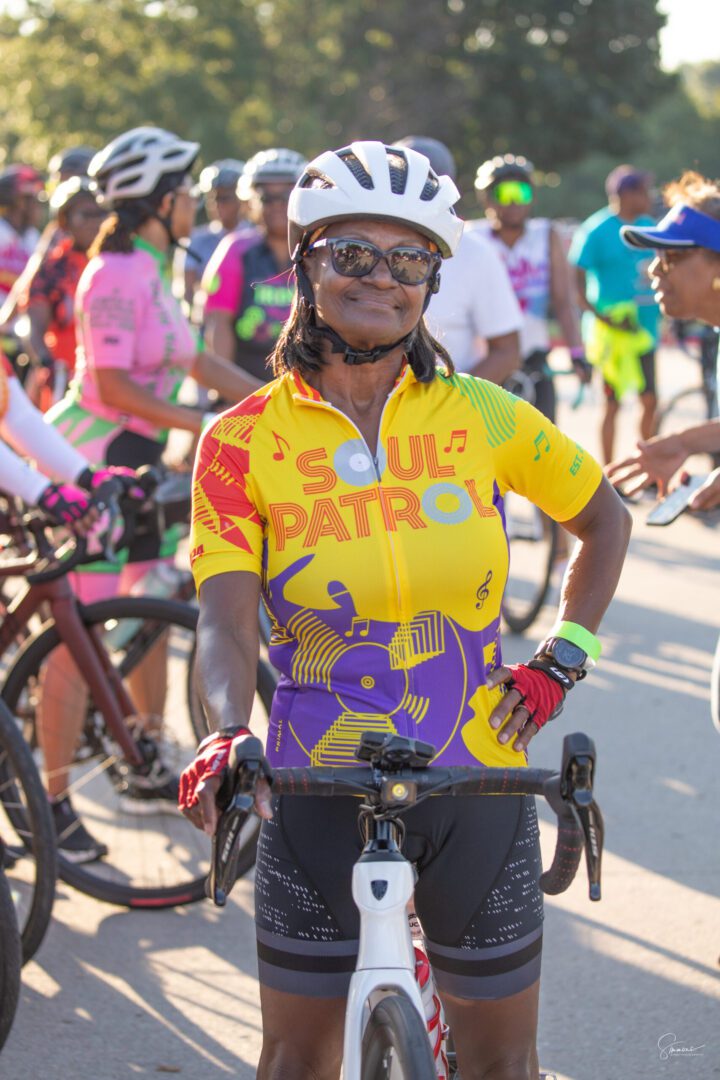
x: 566, y: 655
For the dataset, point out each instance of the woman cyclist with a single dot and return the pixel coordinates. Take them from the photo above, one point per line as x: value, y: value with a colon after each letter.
x: 134, y: 344
x: 685, y: 277
x: 49, y: 296
x: 361, y: 491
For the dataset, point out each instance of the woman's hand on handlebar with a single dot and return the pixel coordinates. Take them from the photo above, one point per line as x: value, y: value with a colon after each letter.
x: 205, y: 814
x: 201, y: 781
x: 66, y: 504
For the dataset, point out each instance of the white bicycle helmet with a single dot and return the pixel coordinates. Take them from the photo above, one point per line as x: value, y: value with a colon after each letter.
x: 131, y: 166
x: 372, y: 180
x: 276, y: 166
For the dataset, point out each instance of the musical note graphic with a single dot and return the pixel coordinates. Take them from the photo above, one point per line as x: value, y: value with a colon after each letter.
x: 279, y: 454
x: 459, y: 436
x: 483, y: 592
x: 541, y: 440
x: 364, y: 625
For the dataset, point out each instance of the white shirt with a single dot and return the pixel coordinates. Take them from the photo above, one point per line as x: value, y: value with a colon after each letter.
x: 528, y: 264
x: 476, y: 301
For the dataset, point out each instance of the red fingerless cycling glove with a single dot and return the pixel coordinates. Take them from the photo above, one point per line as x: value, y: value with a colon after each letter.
x: 541, y: 694
x: 211, y: 760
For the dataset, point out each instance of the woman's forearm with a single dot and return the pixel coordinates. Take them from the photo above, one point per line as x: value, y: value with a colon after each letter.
x: 701, y: 438
x: 117, y: 390
x: 228, y: 647
x: 231, y: 382
x: 603, y: 529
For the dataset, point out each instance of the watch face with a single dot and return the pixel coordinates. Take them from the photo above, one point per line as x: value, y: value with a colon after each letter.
x: 568, y: 655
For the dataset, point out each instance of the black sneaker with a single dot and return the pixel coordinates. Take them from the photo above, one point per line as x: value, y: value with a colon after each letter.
x: 74, y: 841
x: 153, y: 791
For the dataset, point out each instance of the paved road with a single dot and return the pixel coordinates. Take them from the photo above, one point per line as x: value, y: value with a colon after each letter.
x: 116, y: 995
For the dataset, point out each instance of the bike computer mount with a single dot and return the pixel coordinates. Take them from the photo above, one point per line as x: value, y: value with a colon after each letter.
x: 391, y: 753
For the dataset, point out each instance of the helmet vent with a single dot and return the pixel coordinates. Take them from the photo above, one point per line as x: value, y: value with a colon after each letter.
x: 357, y: 168
x: 315, y: 180
x: 397, y: 164
x: 430, y: 189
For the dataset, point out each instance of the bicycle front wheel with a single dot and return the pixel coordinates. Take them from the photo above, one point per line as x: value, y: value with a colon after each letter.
x: 533, y: 541
x: 153, y: 856
x: 395, y: 1044
x: 27, y: 836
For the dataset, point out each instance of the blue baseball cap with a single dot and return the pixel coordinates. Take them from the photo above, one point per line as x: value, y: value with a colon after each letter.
x: 682, y: 227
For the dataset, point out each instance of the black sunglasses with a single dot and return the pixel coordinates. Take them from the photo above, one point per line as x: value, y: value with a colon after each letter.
x: 357, y: 258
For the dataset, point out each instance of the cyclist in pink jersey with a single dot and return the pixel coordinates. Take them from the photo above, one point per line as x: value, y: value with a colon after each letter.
x: 135, y: 346
x: 134, y: 349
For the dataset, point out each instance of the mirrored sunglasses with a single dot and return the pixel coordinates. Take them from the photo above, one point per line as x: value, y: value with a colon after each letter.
x: 513, y: 193
x: 357, y: 258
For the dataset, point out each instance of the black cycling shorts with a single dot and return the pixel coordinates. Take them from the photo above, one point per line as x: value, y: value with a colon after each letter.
x: 477, y: 894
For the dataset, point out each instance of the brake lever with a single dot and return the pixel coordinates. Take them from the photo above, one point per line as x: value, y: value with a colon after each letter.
x: 236, y: 796
x: 577, y: 781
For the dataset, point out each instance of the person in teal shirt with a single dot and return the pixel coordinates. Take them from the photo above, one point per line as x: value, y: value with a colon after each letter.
x: 609, y: 274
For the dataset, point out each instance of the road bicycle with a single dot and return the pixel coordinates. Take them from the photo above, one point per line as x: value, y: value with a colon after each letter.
x: 27, y: 836
x: 665, y: 512
x: 386, y: 1037
x: 126, y: 666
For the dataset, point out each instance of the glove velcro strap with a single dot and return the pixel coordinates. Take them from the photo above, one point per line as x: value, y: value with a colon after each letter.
x: 549, y: 667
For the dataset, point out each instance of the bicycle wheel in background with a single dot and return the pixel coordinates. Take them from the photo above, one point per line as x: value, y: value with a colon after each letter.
x: 27, y: 836
x: 10, y: 959
x: 155, y: 857
x: 395, y: 1044
x: 533, y: 548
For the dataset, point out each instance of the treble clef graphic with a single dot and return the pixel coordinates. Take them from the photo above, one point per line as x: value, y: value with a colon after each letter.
x: 484, y: 591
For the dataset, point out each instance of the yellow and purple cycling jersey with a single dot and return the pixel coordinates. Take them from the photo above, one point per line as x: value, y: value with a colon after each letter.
x: 383, y: 574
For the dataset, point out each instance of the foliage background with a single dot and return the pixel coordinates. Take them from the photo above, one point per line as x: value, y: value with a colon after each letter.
x: 576, y: 85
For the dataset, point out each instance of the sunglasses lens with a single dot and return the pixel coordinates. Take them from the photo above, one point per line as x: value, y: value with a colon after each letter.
x: 352, y: 258
x: 410, y: 266
x: 513, y: 192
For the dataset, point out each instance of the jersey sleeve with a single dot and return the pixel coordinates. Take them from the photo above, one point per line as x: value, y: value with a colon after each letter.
x: 108, y: 308
x: 537, y: 460
x: 222, y: 281
x: 226, y: 531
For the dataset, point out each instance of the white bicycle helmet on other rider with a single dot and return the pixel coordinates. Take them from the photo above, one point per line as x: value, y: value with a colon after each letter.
x: 275, y: 166
x: 383, y: 183
x: 133, y: 164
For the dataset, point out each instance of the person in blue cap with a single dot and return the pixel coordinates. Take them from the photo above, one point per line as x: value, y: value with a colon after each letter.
x: 614, y: 290
x: 685, y: 278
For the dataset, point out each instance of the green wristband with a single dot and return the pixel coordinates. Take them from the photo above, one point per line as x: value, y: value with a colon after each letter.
x: 579, y: 636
